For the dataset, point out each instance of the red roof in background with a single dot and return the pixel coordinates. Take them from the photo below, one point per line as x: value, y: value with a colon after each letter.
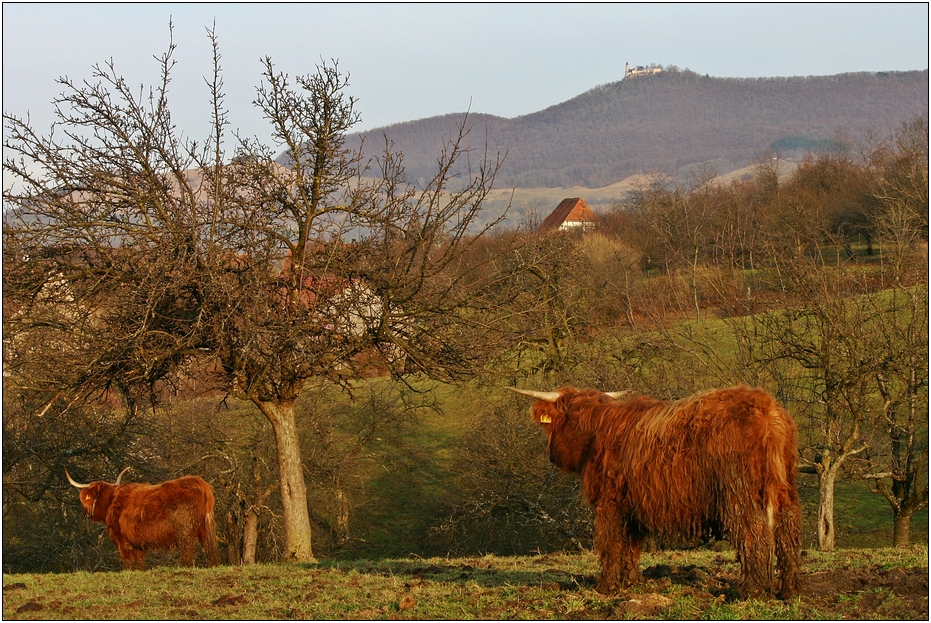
x: 312, y: 286
x: 573, y: 209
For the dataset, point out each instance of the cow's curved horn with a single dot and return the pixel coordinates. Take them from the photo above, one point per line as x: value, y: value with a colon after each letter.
x: 120, y: 477
x: 73, y: 482
x: 547, y: 396
x: 617, y: 395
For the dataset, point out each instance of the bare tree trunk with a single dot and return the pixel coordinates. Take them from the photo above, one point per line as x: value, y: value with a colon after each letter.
x: 232, y: 541
x: 695, y: 286
x: 250, y: 537
x: 906, y: 498
x: 827, y: 474
x: 901, y: 528
x: 342, y: 516
x: 291, y: 474
x: 628, y: 305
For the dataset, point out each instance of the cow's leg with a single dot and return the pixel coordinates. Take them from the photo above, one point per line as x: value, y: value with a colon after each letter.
x: 132, y: 557
x: 127, y: 561
x: 788, y: 544
x: 618, y: 549
x: 124, y: 548
x: 188, y: 547
x: 208, y: 541
x: 127, y: 556
x: 755, y: 550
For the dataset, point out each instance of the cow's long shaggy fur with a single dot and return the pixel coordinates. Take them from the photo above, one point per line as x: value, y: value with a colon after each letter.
x: 721, y: 463
x: 141, y: 517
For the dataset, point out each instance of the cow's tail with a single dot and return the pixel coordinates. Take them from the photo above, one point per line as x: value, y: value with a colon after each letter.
x: 211, y: 546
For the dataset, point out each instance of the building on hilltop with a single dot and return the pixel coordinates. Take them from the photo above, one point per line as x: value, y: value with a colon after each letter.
x: 572, y: 214
x: 640, y: 70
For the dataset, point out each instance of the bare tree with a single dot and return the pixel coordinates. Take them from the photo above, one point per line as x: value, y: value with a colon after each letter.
x: 509, y: 499
x: 900, y: 186
x: 898, y: 464
x: 153, y: 252
x: 541, y: 291
x: 331, y: 267
x: 102, y: 225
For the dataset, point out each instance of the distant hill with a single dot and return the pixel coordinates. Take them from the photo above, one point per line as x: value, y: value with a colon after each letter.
x: 669, y: 122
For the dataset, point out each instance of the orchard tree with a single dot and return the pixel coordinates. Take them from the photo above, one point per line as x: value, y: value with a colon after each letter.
x: 898, y: 464
x: 540, y: 290
x: 332, y: 269
x: 156, y: 255
x: 848, y: 365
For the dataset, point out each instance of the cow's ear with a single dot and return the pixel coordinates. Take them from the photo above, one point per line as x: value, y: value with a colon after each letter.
x: 545, y: 414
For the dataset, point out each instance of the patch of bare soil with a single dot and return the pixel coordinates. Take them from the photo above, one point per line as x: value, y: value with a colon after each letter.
x: 871, y: 592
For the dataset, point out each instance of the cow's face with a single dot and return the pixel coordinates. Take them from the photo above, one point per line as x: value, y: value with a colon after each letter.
x: 93, y: 499
x: 568, y: 446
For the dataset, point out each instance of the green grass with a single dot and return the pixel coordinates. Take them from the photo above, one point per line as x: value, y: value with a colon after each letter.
x: 680, y: 585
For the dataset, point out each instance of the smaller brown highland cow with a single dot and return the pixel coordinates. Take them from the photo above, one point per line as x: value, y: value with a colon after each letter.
x: 719, y: 463
x: 141, y: 517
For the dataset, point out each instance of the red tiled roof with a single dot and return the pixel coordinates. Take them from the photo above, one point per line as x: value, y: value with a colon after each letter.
x: 573, y: 209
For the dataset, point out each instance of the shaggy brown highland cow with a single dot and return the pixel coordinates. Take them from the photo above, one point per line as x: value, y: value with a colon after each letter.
x: 140, y: 517
x: 720, y: 463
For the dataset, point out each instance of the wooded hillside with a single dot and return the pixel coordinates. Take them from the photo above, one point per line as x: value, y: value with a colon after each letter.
x: 667, y: 122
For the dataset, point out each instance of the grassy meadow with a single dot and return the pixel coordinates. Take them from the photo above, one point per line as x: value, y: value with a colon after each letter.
x: 858, y: 584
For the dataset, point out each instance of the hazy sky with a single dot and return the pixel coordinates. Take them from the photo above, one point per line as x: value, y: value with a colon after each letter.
x: 409, y: 61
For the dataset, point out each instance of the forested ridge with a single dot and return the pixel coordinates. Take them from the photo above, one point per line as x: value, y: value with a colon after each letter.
x: 666, y: 122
